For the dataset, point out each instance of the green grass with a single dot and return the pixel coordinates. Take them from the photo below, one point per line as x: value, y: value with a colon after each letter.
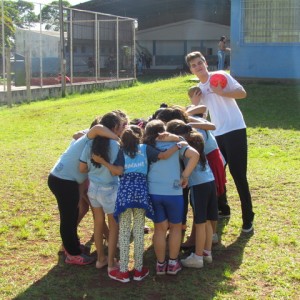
x: 264, y: 265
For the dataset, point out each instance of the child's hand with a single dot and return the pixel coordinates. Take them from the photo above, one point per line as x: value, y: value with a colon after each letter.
x: 98, y: 159
x: 184, y: 181
x: 195, y: 99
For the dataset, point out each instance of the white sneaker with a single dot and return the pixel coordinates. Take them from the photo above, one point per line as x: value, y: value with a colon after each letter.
x: 207, y: 258
x: 215, y: 238
x: 192, y: 262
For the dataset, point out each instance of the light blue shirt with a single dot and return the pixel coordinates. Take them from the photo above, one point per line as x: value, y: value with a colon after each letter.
x: 67, y: 166
x: 101, y: 175
x: 200, y: 175
x: 210, y: 143
x: 164, y: 175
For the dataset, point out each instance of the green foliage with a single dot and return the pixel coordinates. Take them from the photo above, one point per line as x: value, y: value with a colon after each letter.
x: 264, y: 265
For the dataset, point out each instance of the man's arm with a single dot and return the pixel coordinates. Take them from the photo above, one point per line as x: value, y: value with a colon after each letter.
x: 238, y: 93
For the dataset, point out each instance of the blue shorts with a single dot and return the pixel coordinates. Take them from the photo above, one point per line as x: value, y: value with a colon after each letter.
x: 103, y: 196
x: 167, y: 208
x: 204, y: 202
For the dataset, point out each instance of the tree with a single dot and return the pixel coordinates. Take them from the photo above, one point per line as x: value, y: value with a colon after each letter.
x: 50, y: 15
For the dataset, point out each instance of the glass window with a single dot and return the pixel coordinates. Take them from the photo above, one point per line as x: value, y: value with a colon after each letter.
x: 271, y: 21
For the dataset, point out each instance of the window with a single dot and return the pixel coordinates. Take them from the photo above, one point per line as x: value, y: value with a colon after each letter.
x: 271, y: 21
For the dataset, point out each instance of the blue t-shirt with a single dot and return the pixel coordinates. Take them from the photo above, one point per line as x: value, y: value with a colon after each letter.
x: 200, y: 175
x: 210, y: 143
x: 101, y: 175
x: 67, y: 166
x: 164, y: 175
x: 138, y: 164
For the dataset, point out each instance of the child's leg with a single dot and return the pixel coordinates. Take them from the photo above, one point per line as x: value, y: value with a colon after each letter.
x: 124, y: 238
x: 214, y: 226
x: 138, y: 234
x: 200, y: 238
x: 113, y: 239
x: 159, y: 240
x: 174, y: 240
x: 99, y: 218
x: 209, y: 234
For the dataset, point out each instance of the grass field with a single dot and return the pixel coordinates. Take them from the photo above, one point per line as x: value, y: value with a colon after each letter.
x: 263, y: 265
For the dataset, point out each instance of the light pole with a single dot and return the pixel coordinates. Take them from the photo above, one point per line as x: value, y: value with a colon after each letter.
x: 62, y: 50
x: 3, y: 44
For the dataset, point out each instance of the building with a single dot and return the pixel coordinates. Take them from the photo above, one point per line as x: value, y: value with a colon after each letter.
x: 265, y: 39
x: 168, y: 30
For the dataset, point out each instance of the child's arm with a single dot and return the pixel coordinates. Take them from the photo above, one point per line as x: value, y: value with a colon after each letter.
x: 202, y: 124
x: 193, y: 157
x: 168, y: 137
x: 166, y: 154
x: 79, y: 134
x: 114, y: 170
x: 102, y: 131
x: 83, y: 167
x: 196, y: 110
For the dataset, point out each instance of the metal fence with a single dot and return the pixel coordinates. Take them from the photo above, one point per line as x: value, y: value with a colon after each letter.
x: 95, y: 47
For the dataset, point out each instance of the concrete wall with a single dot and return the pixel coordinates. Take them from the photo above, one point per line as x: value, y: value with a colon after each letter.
x: 20, y: 95
x: 266, y: 61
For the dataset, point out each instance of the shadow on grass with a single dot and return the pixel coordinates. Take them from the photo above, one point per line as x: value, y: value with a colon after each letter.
x: 86, y: 282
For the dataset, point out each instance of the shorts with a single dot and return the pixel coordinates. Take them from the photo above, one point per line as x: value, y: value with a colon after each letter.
x: 103, y: 196
x: 204, y: 202
x: 167, y: 208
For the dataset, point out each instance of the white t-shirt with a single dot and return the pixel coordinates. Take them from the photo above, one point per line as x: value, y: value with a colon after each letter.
x: 224, y: 112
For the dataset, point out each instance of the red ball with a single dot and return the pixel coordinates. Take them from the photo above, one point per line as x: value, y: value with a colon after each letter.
x: 215, y: 79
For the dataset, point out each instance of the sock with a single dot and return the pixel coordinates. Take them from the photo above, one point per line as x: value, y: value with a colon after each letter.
x: 207, y: 252
x: 172, y: 262
x: 161, y: 264
x: 200, y: 257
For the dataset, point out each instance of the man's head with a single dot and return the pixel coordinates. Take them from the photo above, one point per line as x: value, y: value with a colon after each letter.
x: 193, y: 55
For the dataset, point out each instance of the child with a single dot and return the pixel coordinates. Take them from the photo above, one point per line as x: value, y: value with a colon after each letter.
x: 165, y: 182
x: 103, y: 187
x: 64, y: 180
x: 203, y: 198
x: 133, y: 199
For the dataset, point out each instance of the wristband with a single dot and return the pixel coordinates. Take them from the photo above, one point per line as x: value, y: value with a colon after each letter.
x: 179, y: 146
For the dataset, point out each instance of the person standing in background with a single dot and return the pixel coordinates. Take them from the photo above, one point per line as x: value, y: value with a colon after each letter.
x: 221, y: 52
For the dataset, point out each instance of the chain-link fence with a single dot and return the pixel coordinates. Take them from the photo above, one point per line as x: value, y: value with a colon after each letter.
x: 96, y: 47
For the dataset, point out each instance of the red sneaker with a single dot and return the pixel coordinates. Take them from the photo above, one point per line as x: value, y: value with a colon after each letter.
x: 81, y: 259
x: 140, y: 275
x: 116, y: 274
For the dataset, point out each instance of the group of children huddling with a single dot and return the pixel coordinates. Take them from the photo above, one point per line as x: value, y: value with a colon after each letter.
x: 139, y: 170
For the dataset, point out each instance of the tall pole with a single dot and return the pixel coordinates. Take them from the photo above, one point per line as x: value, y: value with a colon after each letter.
x: 62, y: 50
x: 3, y: 45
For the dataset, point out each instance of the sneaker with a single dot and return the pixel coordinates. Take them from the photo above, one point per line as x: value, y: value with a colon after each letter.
x: 223, y: 215
x: 81, y: 259
x: 192, y: 262
x: 161, y: 269
x: 140, y: 275
x: 174, y: 269
x: 247, y: 227
x: 215, y: 238
x: 116, y: 274
x: 207, y: 258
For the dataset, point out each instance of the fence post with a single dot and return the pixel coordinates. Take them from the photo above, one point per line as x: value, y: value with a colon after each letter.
x: 28, y: 74
x: 8, y: 77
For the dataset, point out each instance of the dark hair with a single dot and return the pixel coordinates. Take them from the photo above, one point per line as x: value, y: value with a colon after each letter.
x: 96, y: 121
x: 153, y: 128
x: 179, y: 127
x: 100, y: 144
x: 169, y: 114
x: 154, y: 116
x: 195, y: 139
x: 222, y: 38
x: 130, y: 139
x: 193, y: 55
x: 163, y: 105
x: 139, y: 122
